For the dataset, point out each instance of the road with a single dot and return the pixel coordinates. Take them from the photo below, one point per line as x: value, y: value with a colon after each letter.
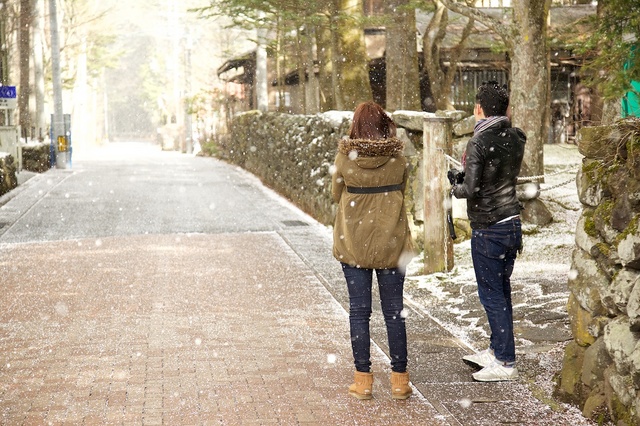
x: 150, y: 287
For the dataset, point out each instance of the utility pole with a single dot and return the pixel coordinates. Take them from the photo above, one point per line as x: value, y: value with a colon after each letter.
x: 57, y: 124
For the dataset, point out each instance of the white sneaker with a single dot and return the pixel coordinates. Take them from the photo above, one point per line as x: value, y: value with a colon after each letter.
x: 496, y: 372
x: 481, y: 359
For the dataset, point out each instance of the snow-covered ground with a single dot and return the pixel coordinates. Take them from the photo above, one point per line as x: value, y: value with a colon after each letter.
x: 539, y: 282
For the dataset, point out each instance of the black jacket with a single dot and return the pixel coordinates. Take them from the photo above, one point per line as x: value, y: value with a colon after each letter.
x: 493, y: 160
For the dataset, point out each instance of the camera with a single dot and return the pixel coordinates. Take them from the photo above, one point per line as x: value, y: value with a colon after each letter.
x: 455, y: 176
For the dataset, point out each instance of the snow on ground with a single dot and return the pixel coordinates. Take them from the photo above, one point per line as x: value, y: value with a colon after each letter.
x: 539, y: 283
x: 540, y: 275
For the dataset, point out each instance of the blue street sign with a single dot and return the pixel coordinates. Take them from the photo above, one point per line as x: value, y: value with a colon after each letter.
x: 8, y: 92
x: 8, y: 97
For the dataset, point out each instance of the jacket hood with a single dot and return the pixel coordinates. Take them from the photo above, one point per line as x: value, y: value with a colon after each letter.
x: 371, y: 148
x: 371, y: 154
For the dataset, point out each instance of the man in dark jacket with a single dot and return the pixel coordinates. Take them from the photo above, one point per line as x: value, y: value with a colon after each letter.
x: 492, y: 163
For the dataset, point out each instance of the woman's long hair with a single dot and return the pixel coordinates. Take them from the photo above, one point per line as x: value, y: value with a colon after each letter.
x: 370, y: 121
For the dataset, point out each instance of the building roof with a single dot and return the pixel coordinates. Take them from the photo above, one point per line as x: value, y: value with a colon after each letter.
x: 245, y: 60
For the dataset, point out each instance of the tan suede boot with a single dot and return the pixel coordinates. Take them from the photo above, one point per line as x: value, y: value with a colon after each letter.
x: 400, y: 388
x: 361, y: 389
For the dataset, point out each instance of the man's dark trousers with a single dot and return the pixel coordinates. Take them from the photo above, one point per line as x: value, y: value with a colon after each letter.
x: 494, y: 252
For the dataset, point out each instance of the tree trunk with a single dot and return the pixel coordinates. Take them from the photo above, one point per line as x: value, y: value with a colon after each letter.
x: 301, y: 67
x: 403, y: 81
x: 439, y: 79
x: 353, y: 73
x: 262, y: 95
x: 279, y: 59
x: 433, y: 36
x: 325, y: 67
x: 313, y: 103
x: 38, y: 65
x: 24, y: 45
x: 4, y: 51
x: 336, y: 59
x: 530, y: 79
x: 526, y: 40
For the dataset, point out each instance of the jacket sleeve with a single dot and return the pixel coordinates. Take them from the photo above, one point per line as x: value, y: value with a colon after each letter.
x: 473, y: 169
x: 337, y: 182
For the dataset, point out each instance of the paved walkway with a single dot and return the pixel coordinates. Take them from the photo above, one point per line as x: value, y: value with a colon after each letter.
x: 179, y: 330
x: 227, y: 322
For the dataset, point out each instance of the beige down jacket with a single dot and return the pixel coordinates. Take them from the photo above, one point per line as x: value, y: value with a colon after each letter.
x: 371, y: 229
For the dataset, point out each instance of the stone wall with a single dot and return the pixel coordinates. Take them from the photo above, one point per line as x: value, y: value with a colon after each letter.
x: 290, y: 153
x: 601, y: 368
x: 293, y: 154
x: 8, y: 177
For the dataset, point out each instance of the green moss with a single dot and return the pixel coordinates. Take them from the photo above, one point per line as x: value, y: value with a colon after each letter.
x: 604, y: 210
x: 621, y: 413
x: 614, y: 167
x: 632, y: 228
x: 590, y: 225
x: 595, y: 170
x: 604, y: 249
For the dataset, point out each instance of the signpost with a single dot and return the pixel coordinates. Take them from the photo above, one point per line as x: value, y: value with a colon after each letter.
x: 9, y: 134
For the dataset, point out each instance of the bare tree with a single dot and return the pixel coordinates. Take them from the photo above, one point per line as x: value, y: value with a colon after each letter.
x: 440, y: 79
x: 525, y: 37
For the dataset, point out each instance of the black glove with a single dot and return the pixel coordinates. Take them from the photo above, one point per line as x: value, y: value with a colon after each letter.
x: 455, y: 176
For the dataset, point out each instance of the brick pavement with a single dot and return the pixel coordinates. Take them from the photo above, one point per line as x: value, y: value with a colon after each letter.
x: 179, y: 330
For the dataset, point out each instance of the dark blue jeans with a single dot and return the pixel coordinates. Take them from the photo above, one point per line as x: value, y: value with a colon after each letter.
x: 390, y: 284
x: 494, y: 252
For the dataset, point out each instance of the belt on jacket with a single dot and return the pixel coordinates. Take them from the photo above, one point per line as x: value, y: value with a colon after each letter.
x: 373, y: 189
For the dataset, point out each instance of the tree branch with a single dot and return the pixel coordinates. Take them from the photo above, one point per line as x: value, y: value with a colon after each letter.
x: 499, y: 27
x: 433, y: 35
x: 456, y: 52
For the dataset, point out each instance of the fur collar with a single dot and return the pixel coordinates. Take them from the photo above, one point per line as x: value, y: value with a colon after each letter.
x: 371, y: 148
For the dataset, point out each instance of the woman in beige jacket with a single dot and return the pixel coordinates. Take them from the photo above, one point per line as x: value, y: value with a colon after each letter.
x: 371, y: 233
